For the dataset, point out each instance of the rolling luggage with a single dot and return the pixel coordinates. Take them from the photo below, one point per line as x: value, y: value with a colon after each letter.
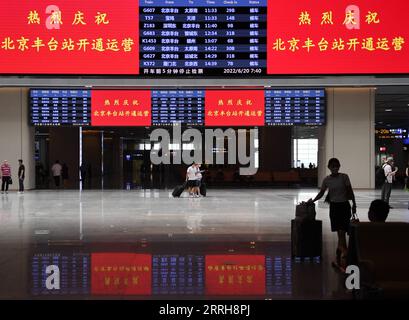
x: 203, y: 189
x: 306, y: 238
x: 178, y: 190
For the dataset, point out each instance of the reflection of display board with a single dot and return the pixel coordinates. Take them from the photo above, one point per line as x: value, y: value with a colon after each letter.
x: 178, y: 274
x: 182, y: 106
x: 54, y: 107
x: 200, y: 38
x: 391, y: 133
x: 121, y: 108
x: 234, y: 108
x: 295, y: 107
x: 121, y: 274
x: 235, y: 274
x: 278, y: 275
x: 72, y: 270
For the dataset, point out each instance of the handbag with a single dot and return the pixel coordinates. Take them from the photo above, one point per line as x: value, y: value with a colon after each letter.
x: 305, y: 211
x: 10, y: 181
x: 354, y: 218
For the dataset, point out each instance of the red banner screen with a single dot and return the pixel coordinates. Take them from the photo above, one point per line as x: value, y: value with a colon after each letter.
x: 234, y: 108
x: 70, y: 37
x: 337, y: 37
x: 120, y: 108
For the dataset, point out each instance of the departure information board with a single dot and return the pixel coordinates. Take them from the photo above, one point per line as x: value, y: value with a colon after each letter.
x: 60, y: 107
x: 178, y: 274
x: 72, y: 272
x: 384, y: 133
x: 178, y: 106
x: 202, y: 37
x: 295, y: 107
x: 162, y: 107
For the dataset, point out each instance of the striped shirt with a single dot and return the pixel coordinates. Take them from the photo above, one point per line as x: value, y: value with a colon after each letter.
x: 5, y: 170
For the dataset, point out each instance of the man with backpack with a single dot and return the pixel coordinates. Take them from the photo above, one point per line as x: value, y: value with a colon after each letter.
x: 380, y: 173
x: 389, y: 175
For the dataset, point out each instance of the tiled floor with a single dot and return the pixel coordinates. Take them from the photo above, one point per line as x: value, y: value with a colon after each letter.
x: 248, y: 222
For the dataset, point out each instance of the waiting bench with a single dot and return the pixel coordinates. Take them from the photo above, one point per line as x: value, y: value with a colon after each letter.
x: 381, y: 251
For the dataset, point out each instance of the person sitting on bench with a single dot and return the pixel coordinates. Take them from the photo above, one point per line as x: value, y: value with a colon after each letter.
x: 378, y: 211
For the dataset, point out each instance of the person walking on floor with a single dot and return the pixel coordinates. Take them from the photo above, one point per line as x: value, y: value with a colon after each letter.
x: 192, y: 182
x: 389, y: 175
x: 56, y: 171
x: 21, y: 176
x: 5, y: 173
x: 64, y: 175
x: 339, y: 193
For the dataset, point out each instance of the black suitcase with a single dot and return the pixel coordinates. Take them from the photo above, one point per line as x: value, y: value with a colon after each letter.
x: 306, y: 238
x: 203, y: 189
x: 178, y: 190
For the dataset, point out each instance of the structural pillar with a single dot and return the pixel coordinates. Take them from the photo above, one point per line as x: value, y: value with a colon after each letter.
x: 16, y: 135
x: 349, y: 135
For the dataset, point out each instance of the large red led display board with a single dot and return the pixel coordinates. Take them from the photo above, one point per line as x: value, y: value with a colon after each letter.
x: 121, y: 108
x: 235, y: 275
x: 234, y: 107
x: 69, y: 37
x: 337, y: 37
x: 121, y: 274
x: 197, y: 38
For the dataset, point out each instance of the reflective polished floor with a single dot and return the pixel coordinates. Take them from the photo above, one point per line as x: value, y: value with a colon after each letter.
x: 145, y: 244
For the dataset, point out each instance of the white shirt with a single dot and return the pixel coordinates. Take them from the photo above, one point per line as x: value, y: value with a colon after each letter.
x: 191, y: 173
x: 388, y: 170
x: 198, y: 174
x: 56, y: 169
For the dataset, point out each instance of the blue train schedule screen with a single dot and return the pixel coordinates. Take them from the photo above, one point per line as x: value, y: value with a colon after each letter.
x: 178, y: 106
x: 55, y: 107
x: 203, y: 37
x: 294, y: 107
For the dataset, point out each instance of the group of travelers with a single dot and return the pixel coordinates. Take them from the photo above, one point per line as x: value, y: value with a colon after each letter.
x: 194, y: 180
x: 5, y: 175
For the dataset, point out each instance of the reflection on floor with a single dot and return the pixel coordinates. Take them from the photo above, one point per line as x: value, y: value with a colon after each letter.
x: 146, y: 244
x: 165, y: 270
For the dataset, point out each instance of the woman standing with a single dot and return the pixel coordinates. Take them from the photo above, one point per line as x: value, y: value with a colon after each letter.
x: 5, y: 171
x: 339, y: 193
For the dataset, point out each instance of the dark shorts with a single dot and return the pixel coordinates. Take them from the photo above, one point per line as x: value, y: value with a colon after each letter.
x: 340, y: 215
x: 192, y: 183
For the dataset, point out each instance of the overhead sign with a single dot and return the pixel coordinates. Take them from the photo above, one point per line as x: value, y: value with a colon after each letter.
x: 121, y: 108
x: 391, y: 133
x: 201, y: 38
x: 234, y: 108
x: 337, y: 37
x: 69, y: 37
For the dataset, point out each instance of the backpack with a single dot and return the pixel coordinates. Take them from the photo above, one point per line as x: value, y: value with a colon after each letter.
x: 380, y: 175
